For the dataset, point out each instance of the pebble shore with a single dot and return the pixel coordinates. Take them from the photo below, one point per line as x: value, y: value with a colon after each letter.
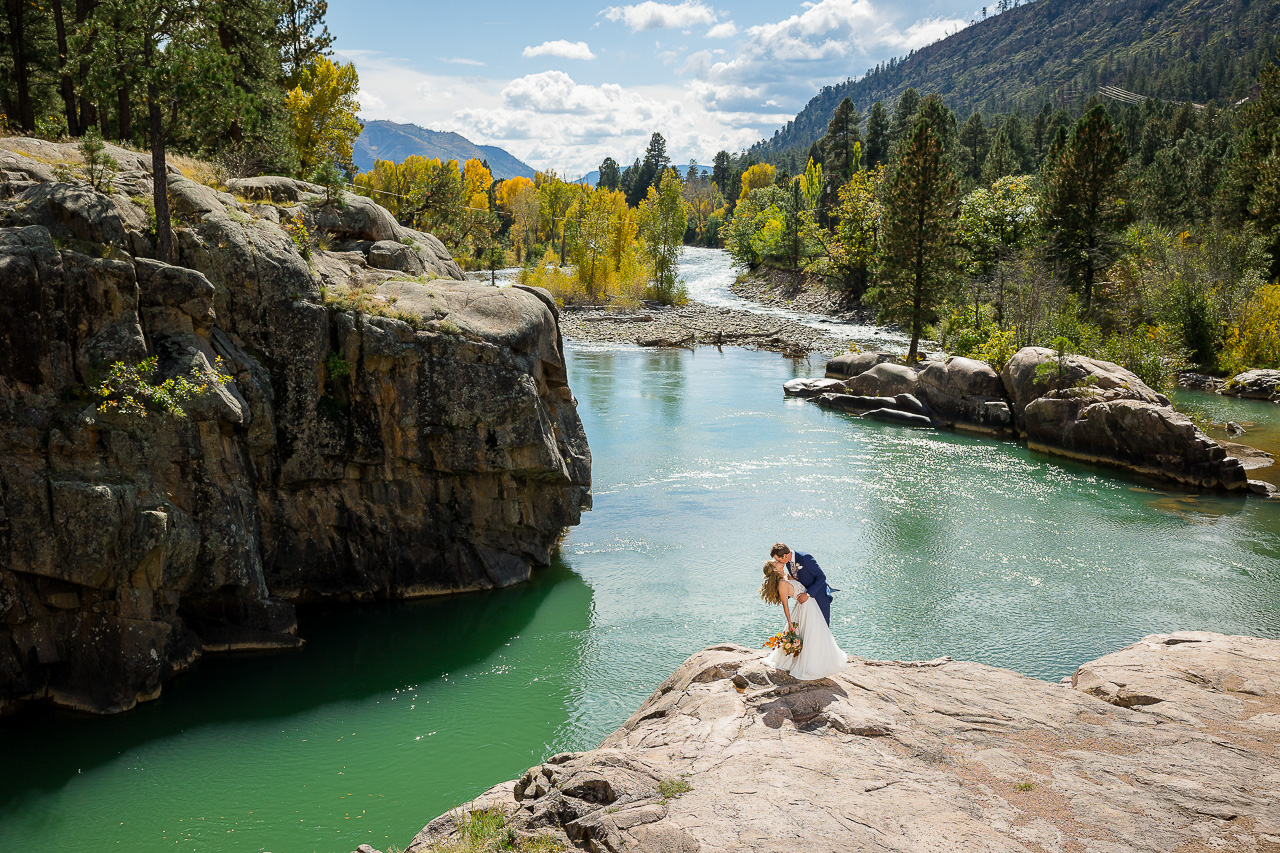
x: 695, y: 324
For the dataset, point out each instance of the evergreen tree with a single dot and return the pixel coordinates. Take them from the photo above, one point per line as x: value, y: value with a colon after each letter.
x: 174, y: 54
x: 919, y: 235
x: 973, y: 146
x: 841, y: 146
x: 610, y: 175
x: 303, y: 36
x: 904, y: 116
x: 940, y: 117
x: 1001, y: 161
x: 1252, y: 185
x: 1084, y: 205
x: 877, y: 135
x: 722, y: 172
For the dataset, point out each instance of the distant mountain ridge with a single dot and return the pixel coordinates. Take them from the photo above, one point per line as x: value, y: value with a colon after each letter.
x: 1063, y: 52
x: 387, y: 140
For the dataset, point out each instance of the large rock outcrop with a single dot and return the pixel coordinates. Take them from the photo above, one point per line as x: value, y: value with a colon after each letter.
x: 387, y: 439
x: 1254, y: 385
x: 1170, y: 744
x: 1066, y: 405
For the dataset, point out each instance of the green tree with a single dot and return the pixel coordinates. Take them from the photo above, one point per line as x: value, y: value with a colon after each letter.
x: 1084, y: 205
x: 842, y: 145
x: 1251, y: 191
x: 173, y: 52
x: 610, y: 174
x: 995, y: 224
x: 974, y: 140
x: 877, y: 150
x: 919, y: 235
x: 854, y: 253
x: 662, y: 226
x: 303, y: 36
x: 904, y: 117
x: 722, y: 172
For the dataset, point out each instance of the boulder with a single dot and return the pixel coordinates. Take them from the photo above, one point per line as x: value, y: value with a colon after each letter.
x: 394, y: 255
x: 967, y: 394
x: 884, y: 380
x: 1169, y: 744
x: 853, y: 402
x: 811, y: 387
x: 1112, y: 428
x: 1254, y: 385
x: 852, y: 363
x: 1024, y: 382
x: 74, y: 211
x: 897, y: 416
x: 275, y: 189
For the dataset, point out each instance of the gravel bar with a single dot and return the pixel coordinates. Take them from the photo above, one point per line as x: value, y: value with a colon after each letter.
x: 695, y: 324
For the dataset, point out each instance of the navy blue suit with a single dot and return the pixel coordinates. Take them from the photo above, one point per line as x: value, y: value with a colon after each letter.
x: 810, y: 575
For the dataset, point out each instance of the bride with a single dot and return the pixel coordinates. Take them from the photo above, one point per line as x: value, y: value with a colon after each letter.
x: 819, y: 655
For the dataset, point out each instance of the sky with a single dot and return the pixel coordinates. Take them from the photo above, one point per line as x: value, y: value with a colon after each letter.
x: 562, y: 84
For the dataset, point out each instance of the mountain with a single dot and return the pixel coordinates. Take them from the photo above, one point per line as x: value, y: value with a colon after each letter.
x: 1062, y: 52
x: 386, y: 140
x: 593, y: 177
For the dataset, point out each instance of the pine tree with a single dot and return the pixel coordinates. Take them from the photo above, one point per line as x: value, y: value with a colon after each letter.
x: 904, y: 116
x: 722, y: 172
x: 610, y: 175
x: 973, y: 143
x: 877, y: 135
x: 920, y: 240
x: 841, y: 146
x: 1084, y: 201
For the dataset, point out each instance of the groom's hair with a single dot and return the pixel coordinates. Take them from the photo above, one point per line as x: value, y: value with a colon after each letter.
x: 779, y: 550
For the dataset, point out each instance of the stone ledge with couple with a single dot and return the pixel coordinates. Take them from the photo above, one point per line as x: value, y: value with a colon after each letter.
x: 794, y: 580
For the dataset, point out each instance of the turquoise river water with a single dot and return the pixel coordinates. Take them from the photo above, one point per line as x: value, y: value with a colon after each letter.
x: 941, y: 545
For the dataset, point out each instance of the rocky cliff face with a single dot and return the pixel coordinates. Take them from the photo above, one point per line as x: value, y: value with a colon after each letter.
x: 425, y: 443
x: 1170, y: 744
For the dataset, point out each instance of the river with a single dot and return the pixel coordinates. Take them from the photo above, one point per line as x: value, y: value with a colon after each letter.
x: 941, y: 544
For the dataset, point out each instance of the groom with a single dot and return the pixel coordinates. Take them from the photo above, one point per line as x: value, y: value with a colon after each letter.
x: 806, y: 570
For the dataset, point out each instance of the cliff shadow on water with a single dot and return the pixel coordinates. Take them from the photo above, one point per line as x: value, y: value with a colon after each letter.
x: 355, y: 654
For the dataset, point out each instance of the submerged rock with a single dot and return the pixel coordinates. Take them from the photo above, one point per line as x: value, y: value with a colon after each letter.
x: 427, y: 444
x: 1171, y: 743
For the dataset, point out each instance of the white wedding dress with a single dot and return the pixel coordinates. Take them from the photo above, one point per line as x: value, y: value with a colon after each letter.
x: 819, y: 656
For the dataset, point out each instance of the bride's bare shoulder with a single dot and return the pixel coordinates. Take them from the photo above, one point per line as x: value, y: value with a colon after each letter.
x: 784, y: 587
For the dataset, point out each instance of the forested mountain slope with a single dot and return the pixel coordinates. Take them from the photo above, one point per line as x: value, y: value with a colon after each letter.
x: 386, y: 140
x: 1062, y: 51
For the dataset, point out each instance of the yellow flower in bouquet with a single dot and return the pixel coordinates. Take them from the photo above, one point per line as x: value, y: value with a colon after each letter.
x: 789, y: 641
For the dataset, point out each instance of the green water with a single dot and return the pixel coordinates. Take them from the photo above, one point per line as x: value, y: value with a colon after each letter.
x: 941, y: 544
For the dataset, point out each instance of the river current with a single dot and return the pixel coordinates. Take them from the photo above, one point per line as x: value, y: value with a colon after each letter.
x: 940, y: 544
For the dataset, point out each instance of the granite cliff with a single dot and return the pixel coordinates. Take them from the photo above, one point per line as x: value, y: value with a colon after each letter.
x: 389, y: 430
x: 1172, y: 744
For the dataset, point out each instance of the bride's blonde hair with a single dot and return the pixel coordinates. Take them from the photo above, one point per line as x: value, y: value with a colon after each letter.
x: 769, y: 589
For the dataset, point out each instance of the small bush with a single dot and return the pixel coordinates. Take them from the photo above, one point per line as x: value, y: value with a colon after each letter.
x: 330, y: 177
x: 296, y: 227
x: 669, y: 789
x: 133, y: 390
x: 1255, y: 340
x: 337, y: 366
x: 52, y: 127
x: 487, y: 831
x: 99, y: 167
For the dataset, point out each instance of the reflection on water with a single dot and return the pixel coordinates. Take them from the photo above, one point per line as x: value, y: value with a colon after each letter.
x: 390, y: 715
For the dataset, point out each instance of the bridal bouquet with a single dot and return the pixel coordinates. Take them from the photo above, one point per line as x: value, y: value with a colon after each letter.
x: 789, y: 641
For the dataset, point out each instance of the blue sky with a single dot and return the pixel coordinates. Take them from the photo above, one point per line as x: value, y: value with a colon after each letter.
x: 562, y: 84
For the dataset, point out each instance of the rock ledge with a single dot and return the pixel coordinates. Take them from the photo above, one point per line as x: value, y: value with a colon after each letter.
x: 1169, y: 744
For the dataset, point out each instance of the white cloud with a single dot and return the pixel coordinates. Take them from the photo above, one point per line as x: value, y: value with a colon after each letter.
x: 561, y: 48
x: 923, y: 32
x: 459, y: 60
x: 727, y: 30
x: 660, y: 16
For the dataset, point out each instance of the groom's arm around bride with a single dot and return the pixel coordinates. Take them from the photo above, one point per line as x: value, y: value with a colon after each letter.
x: 811, y: 576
